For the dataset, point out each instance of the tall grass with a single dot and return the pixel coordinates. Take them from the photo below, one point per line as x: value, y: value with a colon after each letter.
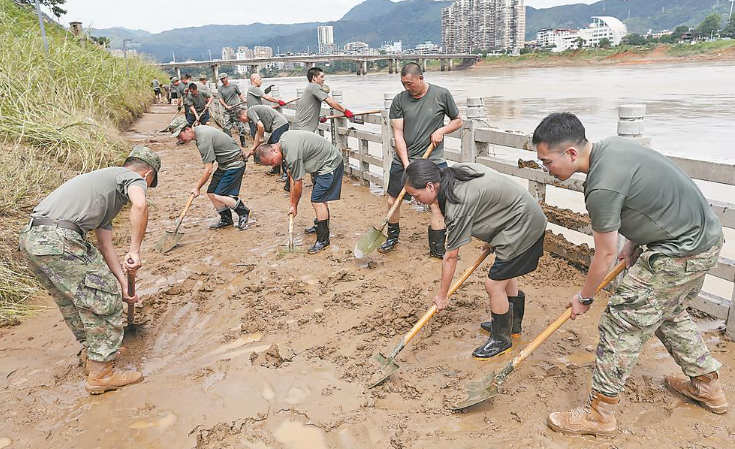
x: 59, y: 116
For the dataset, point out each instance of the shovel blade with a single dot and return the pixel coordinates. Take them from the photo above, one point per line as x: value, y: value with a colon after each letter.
x: 168, y: 241
x: 388, y: 366
x: 478, y: 392
x: 369, y: 242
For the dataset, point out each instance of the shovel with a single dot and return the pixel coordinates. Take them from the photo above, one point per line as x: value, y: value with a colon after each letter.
x: 287, y: 103
x: 490, y: 386
x: 269, y: 88
x: 374, y: 237
x: 388, y: 364
x: 169, y: 123
x: 291, y: 247
x: 353, y: 119
x: 131, y: 292
x: 171, y: 239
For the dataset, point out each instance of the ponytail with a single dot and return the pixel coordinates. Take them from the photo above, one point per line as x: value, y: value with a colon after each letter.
x: 422, y: 171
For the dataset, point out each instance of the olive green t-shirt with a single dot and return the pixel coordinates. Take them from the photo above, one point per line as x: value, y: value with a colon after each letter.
x: 307, y: 152
x: 203, y: 87
x: 230, y: 94
x: 271, y: 119
x: 309, y: 107
x: 182, y: 87
x: 255, y: 96
x: 91, y: 200
x: 215, y: 145
x: 421, y: 117
x: 199, y: 101
x: 496, y: 210
x: 647, y: 198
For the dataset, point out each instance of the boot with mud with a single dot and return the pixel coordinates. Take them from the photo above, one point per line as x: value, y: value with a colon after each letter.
x: 83, y: 360
x: 705, y: 390
x: 322, y: 237
x: 596, y: 417
x: 394, y: 230
x: 312, y: 230
x: 500, y: 341
x: 436, y: 242
x: 243, y: 214
x: 103, y: 377
x: 519, y: 307
x: 224, y: 220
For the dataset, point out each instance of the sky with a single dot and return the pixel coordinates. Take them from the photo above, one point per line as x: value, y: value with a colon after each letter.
x: 156, y: 17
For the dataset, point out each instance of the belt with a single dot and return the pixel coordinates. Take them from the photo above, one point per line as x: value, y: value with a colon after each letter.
x: 58, y: 223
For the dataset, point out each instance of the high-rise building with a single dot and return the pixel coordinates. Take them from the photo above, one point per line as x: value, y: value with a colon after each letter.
x: 228, y: 53
x: 262, y: 52
x: 325, y: 35
x: 243, y: 53
x: 471, y: 25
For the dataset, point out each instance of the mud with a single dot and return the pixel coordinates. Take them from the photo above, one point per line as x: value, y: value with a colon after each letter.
x: 566, y: 217
x: 241, y: 348
x: 528, y: 164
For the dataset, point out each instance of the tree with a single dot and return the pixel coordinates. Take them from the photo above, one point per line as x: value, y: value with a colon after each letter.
x: 729, y: 30
x: 710, y: 25
x: 634, y: 39
x: 579, y: 42
x: 604, y: 43
x: 101, y: 40
x: 678, y: 31
x: 53, y: 4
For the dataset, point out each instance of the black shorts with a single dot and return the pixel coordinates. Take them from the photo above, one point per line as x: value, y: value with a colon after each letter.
x: 203, y: 118
x: 174, y: 95
x: 395, y: 182
x: 226, y: 182
x: 328, y: 187
x: 157, y: 91
x: 277, y: 133
x: 522, y: 264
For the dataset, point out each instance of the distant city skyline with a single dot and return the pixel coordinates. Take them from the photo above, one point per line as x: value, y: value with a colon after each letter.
x: 141, y: 15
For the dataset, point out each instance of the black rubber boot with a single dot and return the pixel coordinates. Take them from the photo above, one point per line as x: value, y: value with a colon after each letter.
x: 519, y: 307
x: 225, y: 219
x: 322, y: 237
x: 436, y: 242
x: 287, y: 186
x: 243, y: 213
x: 394, y: 230
x: 312, y: 230
x: 500, y: 340
x: 242, y: 141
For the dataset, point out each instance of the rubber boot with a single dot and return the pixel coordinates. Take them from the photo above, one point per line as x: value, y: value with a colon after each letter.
x: 394, y: 230
x: 287, y: 186
x: 312, y: 230
x: 596, y: 417
x: 121, y: 351
x: 243, y: 213
x: 322, y: 237
x: 705, y: 390
x: 242, y: 141
x: 436, y: 242
x: 103, y: 377
x: 224, y: 220
x: 519, y: 307
x: 499, y: 342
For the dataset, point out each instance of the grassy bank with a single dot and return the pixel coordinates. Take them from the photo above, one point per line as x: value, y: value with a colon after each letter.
x: 59, y: 116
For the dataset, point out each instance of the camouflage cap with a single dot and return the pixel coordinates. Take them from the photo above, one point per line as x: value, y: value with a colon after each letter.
x: 174, y: 79
x: 175, y: 123
x: 203, y: 76
x: 325, y: 88
x: 150, y: 157
x: 222, y: 75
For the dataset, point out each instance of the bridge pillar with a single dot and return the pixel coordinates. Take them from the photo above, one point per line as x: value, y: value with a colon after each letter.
x: 364, y: 67
x: 423, y: 64
x: 443, y: 64
x: 390, y: 66
x: 253, y: 69
x: 449, y: 65
x: 215, y: 73
x: 359, y: 68
x: 310, y: 65
x: 178, y: 72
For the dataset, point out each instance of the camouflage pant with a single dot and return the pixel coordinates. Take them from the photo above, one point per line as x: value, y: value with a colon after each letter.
x: 652, y: 299
x: 85, y: 290
x: 229, y: 121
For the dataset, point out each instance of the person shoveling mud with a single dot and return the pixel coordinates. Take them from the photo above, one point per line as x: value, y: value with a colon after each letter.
x: 224, y: 188
x: 639, y: 193
x: 86, y: 282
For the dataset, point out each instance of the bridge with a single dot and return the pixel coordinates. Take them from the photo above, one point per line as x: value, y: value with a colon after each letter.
x: 254, y: 64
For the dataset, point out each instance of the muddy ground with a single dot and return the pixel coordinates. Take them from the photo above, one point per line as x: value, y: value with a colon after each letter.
x: 242, y: 347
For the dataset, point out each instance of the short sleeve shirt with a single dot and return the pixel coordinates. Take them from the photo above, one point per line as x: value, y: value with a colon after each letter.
x: 495, y: 209
x: 182, y: 87
x: 230, y: 94
x: 647, y: 198
x: 156, y: 84
x: 271, y: 119
x: 91, y: 200
x: 199, y: 101
x: 309, y: 107
x: 421, y: 117
x: 255, y: 96
x: 307, y: 152
x: 216, y: 146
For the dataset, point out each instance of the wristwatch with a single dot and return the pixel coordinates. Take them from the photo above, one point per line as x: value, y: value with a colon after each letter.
x: 585, y: 301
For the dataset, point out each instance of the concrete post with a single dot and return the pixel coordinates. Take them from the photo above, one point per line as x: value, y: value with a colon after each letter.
x: 630, y: 120
x: 423, y: 64
x: 443, y: 64
x: 386, y: 132
x: 215, y: 73
x: 475, y: 111
x: 359, y: 67
x: 364, y: 67
x: 390, y: 66
x: 336, y: 123
x: 449, y: 65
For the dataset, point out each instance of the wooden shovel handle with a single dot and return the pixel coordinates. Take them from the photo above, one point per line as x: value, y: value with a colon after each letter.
x: 377, y: 111
x: 183, y: 213
x: 430, y: 313
x: 131, y: 292
x: 400, y: 196
x: 290, y: 230
x: 562, y: 319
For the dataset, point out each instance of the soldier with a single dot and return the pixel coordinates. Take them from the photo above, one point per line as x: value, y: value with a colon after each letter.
x: 256, y: 94
x: 202, y: 84
x: 641, y: 194
x: 232, y: 99
x: 174, y: 92
x: 197, y: 105
x: 224, y: 189
x: 266, y: 120
x: 417, y: 116
x: 310, y: 103
x: 157, y: 89
x: 88, y: 284
x: 306, y: 152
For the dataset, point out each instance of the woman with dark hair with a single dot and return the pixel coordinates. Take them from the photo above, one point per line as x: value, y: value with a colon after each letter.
x: 479, y: 202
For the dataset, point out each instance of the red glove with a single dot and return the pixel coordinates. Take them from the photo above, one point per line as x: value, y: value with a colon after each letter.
x: 322, y: 119
x: 348, y: 113
x: 281, y: 103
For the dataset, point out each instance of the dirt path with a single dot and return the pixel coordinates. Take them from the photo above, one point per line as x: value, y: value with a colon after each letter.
x: 243, y: 349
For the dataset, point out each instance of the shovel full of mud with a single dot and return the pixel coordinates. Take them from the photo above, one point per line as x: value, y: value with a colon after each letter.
x: 488, y: 387
x: 388, y: 364
x: 171, y: 239
x: 291, y: 246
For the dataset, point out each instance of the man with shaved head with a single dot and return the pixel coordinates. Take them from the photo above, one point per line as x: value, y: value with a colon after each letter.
x: 255, y: 98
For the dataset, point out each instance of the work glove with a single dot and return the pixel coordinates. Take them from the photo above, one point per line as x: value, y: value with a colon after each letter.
x: 348, y: 113
x: 178, y: 109
x: 281, y: 103
x: 322, y: 119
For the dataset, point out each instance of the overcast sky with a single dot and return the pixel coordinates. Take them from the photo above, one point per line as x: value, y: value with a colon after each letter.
x: 159, y: 16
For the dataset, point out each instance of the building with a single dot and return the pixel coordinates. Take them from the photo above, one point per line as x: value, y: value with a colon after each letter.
x: 548, y: 37
x: 427, y: 47
x: 262, y: 52
x: 357, y: 48
x: 392, y: 48
x: 243, y: 53
x: 325, y: 37
x: 601, y: 28
x: 228, y: 53
x: 469, y: 26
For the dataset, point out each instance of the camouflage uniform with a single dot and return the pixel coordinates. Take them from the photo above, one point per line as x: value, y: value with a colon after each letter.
x: 652, y: 299
x: 78, y: 278
x: 230, y: 121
